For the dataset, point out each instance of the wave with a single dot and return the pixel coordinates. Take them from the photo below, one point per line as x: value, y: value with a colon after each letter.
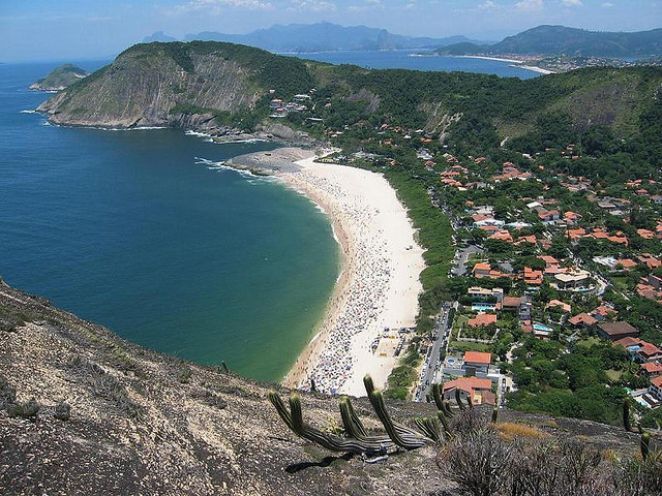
x: 28, y: 111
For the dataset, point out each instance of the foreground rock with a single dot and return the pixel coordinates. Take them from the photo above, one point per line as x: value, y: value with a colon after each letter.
x: 142, y: 423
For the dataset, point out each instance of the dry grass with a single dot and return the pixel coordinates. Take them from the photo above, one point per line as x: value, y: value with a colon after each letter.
x: 509, y: 431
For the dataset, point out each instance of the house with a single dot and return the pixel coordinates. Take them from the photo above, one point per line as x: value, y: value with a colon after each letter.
x: 582, y: 320
x: 603, y: 312
x: 484, y: 294
x: 549, y: 215
x: 481, y: 269
x: 640, y: 351
x: 532, y: 277
x: 477, y: 361
x: 651, y: 369
x: 577, y: 280
x: 482, y: 320
x: 511, y: 303
x: 655, y: 389
x: 502, y: 236
x: 571, y: 218
x: 616, y: 330
x: 625, y: 264
x: 479, y: 390
x: 559, y: 305
x: 646, y: 233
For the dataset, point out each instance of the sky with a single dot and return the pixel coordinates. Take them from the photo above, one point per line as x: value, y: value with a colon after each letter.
x: 32, y: 30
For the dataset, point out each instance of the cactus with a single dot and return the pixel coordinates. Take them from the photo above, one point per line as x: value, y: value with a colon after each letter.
x: 436, y: 394
x: 627, y: 421
x: 294, y: 420
x: 369, y: 385
x: 313, y: 387
x: 458, y: 399
x: 470, y: 401
x: 400, y: 435
x: 644, y: 445
x: 444, y: 422
x: 495, y: 415
x: 447, y: 409
x: 429, y: 426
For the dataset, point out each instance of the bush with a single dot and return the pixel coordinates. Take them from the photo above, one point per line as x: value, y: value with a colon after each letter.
x: 28, y: 410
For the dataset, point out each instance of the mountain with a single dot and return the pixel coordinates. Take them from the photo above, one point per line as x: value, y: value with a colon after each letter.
x: 159, y: 36
x: 60, y: 78
x: 560, y: 40
x: 324, y: 36
x: 214, y: 86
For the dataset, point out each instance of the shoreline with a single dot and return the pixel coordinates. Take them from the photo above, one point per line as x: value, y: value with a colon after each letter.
x: 380, y: 265
x: 522, y: 64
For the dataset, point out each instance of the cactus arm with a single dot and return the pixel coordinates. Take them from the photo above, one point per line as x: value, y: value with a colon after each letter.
x: 369, y: 385
x: 495, y: 415
x: 436, y: 394
x: 644, y: 445
x: 444, y: 422
x: 355, y: 418
x: 458, y: 399
x: 282, y: 410
x: 407, y: 440
x: 429, y: 426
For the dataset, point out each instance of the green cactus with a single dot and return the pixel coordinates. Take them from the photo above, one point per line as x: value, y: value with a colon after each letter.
x: 294, y: 420
x: 644, y: 445
x: 369, y: 385
x: 429, y: 426
x: 627, y: 421
x: 495, y: 415
x: 458, y: 399
x: 444, y: 422
x: 400, y: 435
x: 436, y: 394
x: 447, y: 409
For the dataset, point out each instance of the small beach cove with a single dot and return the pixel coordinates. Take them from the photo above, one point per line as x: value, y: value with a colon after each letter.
x: 376, y: 294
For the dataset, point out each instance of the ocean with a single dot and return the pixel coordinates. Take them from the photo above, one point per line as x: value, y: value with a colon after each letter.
x: 144, y: 232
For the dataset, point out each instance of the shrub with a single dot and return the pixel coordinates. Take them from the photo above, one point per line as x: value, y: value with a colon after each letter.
x: 62, y: 411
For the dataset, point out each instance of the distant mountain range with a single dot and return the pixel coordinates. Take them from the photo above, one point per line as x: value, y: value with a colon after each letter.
x: 320, y: 37
x: 560, y: 40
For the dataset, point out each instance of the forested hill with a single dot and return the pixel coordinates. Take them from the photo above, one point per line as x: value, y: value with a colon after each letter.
x: 560, y: 40
x: 183, y: 84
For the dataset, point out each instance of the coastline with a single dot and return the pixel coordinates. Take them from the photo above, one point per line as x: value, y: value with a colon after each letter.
x: 378, y: 285
x: 513, y: 63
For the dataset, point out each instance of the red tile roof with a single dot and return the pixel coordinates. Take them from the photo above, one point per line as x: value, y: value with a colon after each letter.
x: 478, y: 357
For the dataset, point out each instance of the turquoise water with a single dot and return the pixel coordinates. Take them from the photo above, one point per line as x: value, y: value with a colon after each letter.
x: 125, y: 229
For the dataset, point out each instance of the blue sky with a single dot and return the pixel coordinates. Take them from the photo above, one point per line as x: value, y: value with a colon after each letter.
x: 77, y: 29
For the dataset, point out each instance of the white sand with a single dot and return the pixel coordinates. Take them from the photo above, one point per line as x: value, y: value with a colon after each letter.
x: 379, y: 284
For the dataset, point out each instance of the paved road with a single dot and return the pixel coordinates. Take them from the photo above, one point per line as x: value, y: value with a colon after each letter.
x: 461, y: 258
x: 433, y: 364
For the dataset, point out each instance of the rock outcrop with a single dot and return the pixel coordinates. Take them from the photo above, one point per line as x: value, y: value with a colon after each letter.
x: 60, y: 78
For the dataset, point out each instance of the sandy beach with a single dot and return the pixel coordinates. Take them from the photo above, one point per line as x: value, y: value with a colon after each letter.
x: 513, y: 63
x: 379, y: 283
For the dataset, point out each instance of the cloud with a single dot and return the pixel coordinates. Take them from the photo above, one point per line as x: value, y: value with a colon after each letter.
x: 217, y: 6
x: 607, y: 5
x: 572, y: 3
x: 313, y: 5
x: 487, y: 5
x: 530, y: 5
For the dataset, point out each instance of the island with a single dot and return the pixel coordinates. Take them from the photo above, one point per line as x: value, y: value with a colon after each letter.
x: 59, y: 78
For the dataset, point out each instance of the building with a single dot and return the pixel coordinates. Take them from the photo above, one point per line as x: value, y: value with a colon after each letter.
x: 482, y: 320
x: 582, y: 320
x: 481, y: 269
x: 651, y: 369
x: 655, y: 389
x: 484, y: 294
x: 617, y: 330
x: 480, y: 390
x: 578, y: 280
x: 477, y: 361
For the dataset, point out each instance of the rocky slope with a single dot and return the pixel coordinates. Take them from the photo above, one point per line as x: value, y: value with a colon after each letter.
x: 154, y: 85
x: 60, y: 78
x: 143, y: 423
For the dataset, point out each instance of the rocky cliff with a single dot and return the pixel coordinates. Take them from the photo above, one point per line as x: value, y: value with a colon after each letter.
x: 156, y: 84
x: 93, y: 414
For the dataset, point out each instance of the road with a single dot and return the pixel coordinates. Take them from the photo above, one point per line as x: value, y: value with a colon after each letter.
x: 432, y: 369
x: 461, y: 258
